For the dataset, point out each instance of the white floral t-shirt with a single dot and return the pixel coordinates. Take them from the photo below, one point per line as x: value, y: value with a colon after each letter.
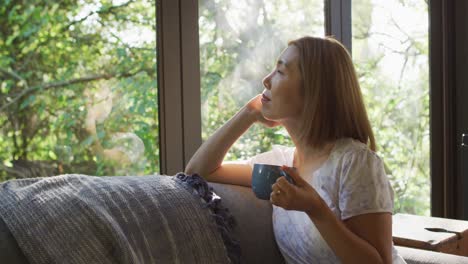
x: 352, y: 181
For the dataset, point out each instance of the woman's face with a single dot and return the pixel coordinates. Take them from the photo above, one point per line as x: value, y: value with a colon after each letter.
x: 282, y: 95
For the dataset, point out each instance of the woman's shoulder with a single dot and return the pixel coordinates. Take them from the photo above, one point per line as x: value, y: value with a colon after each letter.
x: 278, y: 155
x: 349, y: 148
x: 282, y: 148
x: 285, y: 153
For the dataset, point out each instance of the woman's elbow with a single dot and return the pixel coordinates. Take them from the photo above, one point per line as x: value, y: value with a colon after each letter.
x: 190, y: 169
x: 193, y: 169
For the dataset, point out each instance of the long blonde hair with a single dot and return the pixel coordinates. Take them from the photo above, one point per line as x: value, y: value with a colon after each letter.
x: 333, y: 103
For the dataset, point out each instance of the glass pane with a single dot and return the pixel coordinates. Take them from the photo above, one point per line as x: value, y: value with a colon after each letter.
x: 239, y: 44
x: 78, y: 91
x: 390, y: 49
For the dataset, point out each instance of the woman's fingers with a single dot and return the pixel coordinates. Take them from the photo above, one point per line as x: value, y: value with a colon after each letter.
x: 276, y: 188
x: 283, y: 183
x: 298, y: 180
x: 280, y: 192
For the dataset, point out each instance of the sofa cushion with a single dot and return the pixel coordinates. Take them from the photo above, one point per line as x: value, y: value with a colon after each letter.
x: 255, y: 230
x: 254, y: 225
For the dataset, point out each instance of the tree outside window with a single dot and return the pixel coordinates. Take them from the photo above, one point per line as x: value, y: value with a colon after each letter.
x: 239, y: 43
x: 390, y: 51
x: 78, y: 88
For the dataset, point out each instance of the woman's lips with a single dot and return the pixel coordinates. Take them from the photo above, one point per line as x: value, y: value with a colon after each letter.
x: 265, y: 98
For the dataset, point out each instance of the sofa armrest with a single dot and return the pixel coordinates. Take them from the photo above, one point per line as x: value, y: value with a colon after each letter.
x: 254, y: 226
x: 419, y: 256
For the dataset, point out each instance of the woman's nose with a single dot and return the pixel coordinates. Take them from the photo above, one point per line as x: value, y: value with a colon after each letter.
x: 266, y: 81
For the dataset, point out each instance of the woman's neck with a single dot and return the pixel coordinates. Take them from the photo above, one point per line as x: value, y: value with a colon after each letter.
x: 306, y: 156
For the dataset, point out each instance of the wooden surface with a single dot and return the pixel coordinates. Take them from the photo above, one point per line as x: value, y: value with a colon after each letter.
x: 412, y: 231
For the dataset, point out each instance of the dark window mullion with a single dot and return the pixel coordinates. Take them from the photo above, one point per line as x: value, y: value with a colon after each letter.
x: 178, y: 83
x: 191, y: 89
x: 169, y: 87
x: 338, y: 21
x: 441, y: 60
x: 460, y: 108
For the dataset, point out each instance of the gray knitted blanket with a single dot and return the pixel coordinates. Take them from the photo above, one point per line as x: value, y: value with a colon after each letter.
x: 128, y: 219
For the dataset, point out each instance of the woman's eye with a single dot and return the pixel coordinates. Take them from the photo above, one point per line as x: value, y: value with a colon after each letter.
x: 278, y: 71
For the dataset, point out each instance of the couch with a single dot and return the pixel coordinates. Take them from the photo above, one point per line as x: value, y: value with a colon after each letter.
x: 255, y: 232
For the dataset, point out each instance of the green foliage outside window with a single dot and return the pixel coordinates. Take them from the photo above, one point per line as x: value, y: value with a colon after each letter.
x: 392, y: 63
x: 78, y: 84
x: 59, y: 61
x: 239, y: 46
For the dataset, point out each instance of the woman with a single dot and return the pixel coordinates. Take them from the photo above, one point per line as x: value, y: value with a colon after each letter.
x: 340, y: 208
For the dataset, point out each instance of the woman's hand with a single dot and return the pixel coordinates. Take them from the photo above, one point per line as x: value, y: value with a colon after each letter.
x: 300, y: 196
x: 254, y: 107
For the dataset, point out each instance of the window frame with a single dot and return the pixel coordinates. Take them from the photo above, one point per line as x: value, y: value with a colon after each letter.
x: 338, y: 21
x: 179, y: 91
x: 178, y: 83
x: 448, y: 57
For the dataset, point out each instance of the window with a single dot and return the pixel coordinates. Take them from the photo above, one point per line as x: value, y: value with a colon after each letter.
x: 390, y: 51
x: 239, y: 44
x: 78, y: 91
x: 61, y: 66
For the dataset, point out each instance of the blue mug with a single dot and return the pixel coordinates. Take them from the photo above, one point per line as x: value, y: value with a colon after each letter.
x: 264, y: 176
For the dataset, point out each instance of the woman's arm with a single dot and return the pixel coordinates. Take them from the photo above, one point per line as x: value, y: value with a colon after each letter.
x: 207, y: 160
x: 365, y: 238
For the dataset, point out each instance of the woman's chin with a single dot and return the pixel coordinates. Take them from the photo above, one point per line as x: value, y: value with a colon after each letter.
x: 268, y: 116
